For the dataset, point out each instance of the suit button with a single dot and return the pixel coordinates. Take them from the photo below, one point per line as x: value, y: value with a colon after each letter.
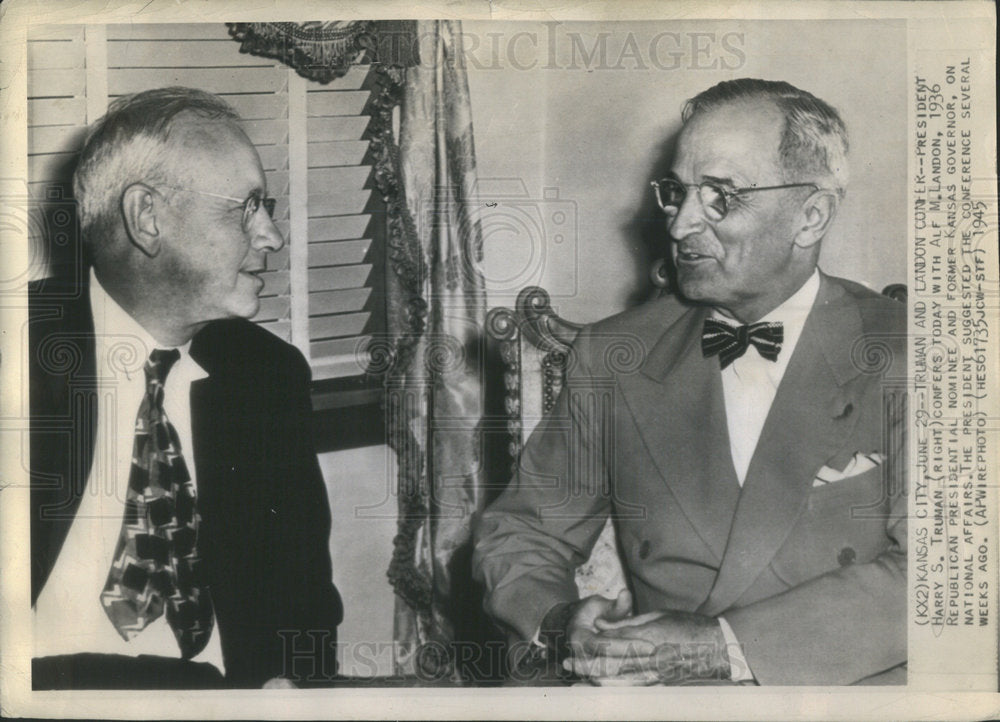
x: 847, y: 556
x: 644, y: 549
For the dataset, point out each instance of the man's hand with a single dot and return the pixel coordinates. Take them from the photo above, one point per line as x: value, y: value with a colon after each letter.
x: 667, y: 647
x: 590, y: 617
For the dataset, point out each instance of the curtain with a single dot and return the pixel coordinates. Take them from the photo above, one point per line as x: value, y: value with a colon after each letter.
x: 324, y: 51
x: 434, y: 395
x: 433, y: 353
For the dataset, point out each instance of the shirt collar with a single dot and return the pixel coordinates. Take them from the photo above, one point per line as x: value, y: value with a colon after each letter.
x: 791, y: 314
x: 794, y: 309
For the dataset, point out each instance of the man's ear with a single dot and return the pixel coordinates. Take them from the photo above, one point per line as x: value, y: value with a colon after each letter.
x: 817, y: 214
x: 139, y: 211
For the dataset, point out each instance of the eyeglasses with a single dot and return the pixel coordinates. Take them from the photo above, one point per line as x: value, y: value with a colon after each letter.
x: 251, y: 204
x: 670, y: 194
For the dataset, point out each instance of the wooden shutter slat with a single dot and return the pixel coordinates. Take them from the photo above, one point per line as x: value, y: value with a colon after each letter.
x: 57, y: 111
x: 345, y: 178
x: 51, y: 191
x: 275, y: 307
x: 180, y: 53
x: 333, y: 278
x: 337, y: 153
x: 349, y: 203
x: 338, y: 253
x: 277, y: 186
x: 351, y: 299
x: 273, y: 157
x: 342, y: 128
x: 275, y: 283
x: 47, y: 55
x: 259, y: 106
x: 343, y: 103
x: 340, y: 347
x: 169, y: 31
x: 266, y: 132
x: 347, y: 324
x: 278, y: 261
x: 56, y: 139
x: 352, y: 80
x: 216, y: 80
x: 56, y: 83
x: 51, y: 167
x: 337, y: 228
x: 55, y: 32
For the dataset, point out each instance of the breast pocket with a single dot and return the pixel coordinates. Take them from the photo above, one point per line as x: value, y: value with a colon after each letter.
x: 863, y: 490
x: 843, y: 523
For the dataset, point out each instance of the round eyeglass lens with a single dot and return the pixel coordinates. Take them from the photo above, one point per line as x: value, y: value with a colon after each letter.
x: 713, y: 200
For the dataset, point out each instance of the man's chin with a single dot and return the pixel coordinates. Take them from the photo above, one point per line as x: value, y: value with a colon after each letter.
x: 245, y: 308
x: 695, y: 289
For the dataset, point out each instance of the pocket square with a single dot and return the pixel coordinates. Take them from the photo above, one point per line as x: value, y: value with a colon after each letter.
x: 859, y: 464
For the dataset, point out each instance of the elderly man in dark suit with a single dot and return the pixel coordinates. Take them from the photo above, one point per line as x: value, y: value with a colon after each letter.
x: 752, y: 460
x: 180, y: 524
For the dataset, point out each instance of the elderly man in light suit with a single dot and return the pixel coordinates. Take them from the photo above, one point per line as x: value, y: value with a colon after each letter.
x: 753, y: 462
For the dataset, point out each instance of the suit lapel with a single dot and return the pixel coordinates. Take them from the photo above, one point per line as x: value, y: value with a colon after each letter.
x: 63, y: 411
x: 214, y: 412
x: 811, y: 417
x: 679, y: 410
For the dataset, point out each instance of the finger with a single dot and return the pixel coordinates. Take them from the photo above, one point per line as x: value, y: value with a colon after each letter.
x: 608, y: 666
x: 592, y: 608
x: 620, y: 608
x: 604, y: 623
x: 636, y: 679
x: 606, y: 646
x: 602, y: 646
x: 623, y: 605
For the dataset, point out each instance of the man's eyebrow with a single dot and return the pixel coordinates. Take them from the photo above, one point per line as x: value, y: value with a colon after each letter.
x: 720, y: 181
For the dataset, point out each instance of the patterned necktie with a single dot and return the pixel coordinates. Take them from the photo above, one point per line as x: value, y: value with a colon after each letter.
x: 731, y: 342
x: 156, y: 564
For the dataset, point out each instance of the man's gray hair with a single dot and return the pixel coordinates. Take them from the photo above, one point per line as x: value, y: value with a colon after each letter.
x: 814, y: 140
x: 130, y: 144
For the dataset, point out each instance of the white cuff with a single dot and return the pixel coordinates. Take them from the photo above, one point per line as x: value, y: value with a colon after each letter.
x: 739, y: 670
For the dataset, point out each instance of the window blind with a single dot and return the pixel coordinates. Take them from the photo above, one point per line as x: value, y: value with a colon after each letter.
x: 344, y: 231
x: 342, y: 248
x: 57, y: 123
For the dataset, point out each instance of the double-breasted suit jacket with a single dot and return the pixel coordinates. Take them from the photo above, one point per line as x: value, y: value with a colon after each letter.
x: 810, y: 575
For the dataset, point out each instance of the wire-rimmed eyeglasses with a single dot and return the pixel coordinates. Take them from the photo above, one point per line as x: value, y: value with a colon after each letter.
x: 251, y: 204
x: 670, y: 194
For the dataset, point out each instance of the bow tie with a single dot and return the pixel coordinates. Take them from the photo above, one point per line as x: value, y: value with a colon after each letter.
x: 731, y: 342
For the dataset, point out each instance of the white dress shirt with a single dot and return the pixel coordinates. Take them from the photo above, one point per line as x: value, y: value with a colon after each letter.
x: 749, y: 385
x: 69, y: 617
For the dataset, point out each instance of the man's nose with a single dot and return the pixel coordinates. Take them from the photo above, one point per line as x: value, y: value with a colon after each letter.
x: 690, y: 217
x: 266, y: 236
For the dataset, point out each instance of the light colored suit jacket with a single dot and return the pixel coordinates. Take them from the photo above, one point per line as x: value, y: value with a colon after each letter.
x: 811, y: 576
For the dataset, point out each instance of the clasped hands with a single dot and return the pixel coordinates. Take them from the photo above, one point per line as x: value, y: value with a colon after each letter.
x: 608, y: 646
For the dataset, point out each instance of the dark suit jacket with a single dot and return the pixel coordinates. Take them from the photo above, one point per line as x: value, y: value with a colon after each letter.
x: 265, y: 526
x: 811, y: 578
